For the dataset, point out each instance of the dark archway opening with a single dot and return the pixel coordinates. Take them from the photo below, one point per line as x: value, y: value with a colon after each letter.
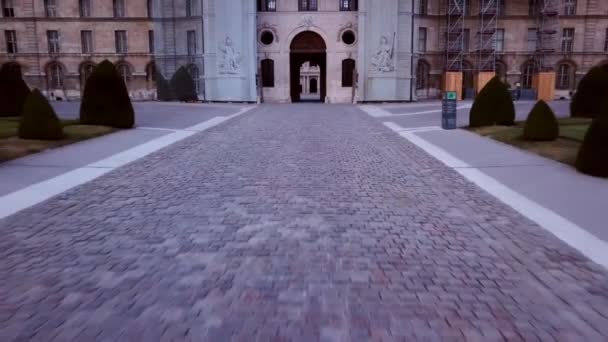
x: 305, y: 47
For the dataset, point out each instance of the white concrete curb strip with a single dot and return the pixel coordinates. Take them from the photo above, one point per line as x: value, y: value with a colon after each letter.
x: 39, y: 192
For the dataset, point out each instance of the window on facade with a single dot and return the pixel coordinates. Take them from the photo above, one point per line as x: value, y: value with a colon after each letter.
x: 55, y: 76
x: 151, y: 41
x: 348, y: 5
x: 569, y: 7
x: 86, y: 39
x: 532, y: 38
x: 533, y: 7
x: 120, y: 38
x: 191, y: 42
x: 50, y: 8
x: 195, y: 74
x: 149, y: 8
x: 267, y: 73
x: 84, y: 8
x: 348, y: 72
x: 119, y: 8
x: 307, y: 5
x: 527, y: 74
x: 10, y: 37
x: 52, y: 38
x: 189, y: 8
x: 567, y: 39
x: 501, y: 7
x: 267, y: 5
x: 499, y: 40
x: 564, y: 72
x: 422, y: 39
x: 86, y: 70
x: 422, y: 75
x: 125, y: 72
x: 423, y: 7
x: 606, y: 41
x: 8, y: 10
x: 151, y: 72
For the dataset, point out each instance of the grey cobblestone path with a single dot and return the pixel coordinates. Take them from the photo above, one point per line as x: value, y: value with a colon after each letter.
x: 291, y: 223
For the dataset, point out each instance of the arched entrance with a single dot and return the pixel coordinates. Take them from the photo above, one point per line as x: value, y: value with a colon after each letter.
x: 305, y: 47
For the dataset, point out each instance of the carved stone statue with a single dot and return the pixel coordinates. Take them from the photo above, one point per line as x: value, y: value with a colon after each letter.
x: 230, y: 62
x: 382, y: 60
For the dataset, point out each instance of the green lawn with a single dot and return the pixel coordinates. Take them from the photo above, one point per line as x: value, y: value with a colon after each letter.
x: 564, y: 149
x: 12, y: 147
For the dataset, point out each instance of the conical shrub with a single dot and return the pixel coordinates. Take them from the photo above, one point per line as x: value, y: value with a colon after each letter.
x: 591, y: 96
x: 593, y: 154
x: 105, y: 100
x: 39, y: 120
x: 13, y: 90
x: 541, y: 124
x: 182, y: 85
x: 493, y: 105
x: 163, y: 88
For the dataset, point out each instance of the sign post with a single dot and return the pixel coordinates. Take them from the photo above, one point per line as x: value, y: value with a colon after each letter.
x: 448, y: 110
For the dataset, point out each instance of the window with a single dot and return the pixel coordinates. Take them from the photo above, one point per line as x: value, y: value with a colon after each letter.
x: 348, y: 37
x: 52, y: 38
x: 422, y: 39
x: 267, y: 5
x: 86, y: 39
x: 151, y: 72
x: 191, y: 41
x: 533, y: 7
x: 85, y: 8
x: 151, y: 41
x: 11, y: 41
x: 194, y: 73
x: 526, y: 76
x: 422, y: 75
x: 189, y: 8
x: 119, y: 8
x: 149, y: 8
x: 267, y: 73
x: 564, y: 72
x: 50, y: 8
x: 348, y: 72
x: 500, y: 40
x: 55, y: 76
x: 8, y: 10
x: 348, y: 5
x: 307, y: 5
x: 267, y: 38
x: 120, y: 38
x: 125, y: 72
x: 569, y: 7
x: 606, y: 41
x: 501, y: 7
x: 567, y: 39
x: 423, y: 7
x: 532, y: 38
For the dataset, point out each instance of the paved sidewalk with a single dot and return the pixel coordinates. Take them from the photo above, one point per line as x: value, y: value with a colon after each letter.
x: 291, y: 223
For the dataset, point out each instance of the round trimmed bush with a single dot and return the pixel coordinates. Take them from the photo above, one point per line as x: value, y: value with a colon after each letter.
x: 163, y: 88
x: 182, y: 85
x: 593, y: 154
x: 39, y: 120
x: 105, y: 100
x: 591, y: 96
x: 541, y: 124
x: 13, y: 90
x: 493, y: 106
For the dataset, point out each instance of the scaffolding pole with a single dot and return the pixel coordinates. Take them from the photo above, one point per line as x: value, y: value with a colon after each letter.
x: 547, y: 26
x: 485, y: 51
x: 455, y: 35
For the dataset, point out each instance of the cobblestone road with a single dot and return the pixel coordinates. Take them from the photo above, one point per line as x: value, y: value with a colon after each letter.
x: 290, y: 223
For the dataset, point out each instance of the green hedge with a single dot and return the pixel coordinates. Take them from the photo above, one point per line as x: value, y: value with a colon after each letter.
x: 541, y: 124
x: 39, y: 120
x: 593, y: 154
x: 13, y: 90
x: 106, y: 100
x: 493, y: 106
x: 591, y: 96
x: 163, y: 88
x: 182, y: 86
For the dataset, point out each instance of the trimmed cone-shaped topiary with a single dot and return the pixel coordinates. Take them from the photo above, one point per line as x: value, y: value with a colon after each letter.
x: 39, y: 120
x: 106, y: 100
x: 593, y: 154
x: 183, y: 85
x: 591, y: 96
x: 13, y: 90
x: 541, y: 124
x: 163, y: 88
x: 493, y: 105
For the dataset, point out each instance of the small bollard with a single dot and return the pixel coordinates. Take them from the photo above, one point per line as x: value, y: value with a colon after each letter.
x: 448, y: 110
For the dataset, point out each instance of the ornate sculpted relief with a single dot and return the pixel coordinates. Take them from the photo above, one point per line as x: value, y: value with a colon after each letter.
x: 307, y: 21
x: 230, y: 61
x: 382, y: 60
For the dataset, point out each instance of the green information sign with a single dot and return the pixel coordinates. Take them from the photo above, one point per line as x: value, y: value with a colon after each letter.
x: 450, y: 95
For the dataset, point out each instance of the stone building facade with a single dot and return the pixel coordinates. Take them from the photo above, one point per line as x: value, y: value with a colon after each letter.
x: 250, y: 50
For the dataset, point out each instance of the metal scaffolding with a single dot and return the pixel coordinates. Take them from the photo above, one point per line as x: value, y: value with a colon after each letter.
x: 485, y: 49
x: 455, y: 35
x: 547, y: 26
